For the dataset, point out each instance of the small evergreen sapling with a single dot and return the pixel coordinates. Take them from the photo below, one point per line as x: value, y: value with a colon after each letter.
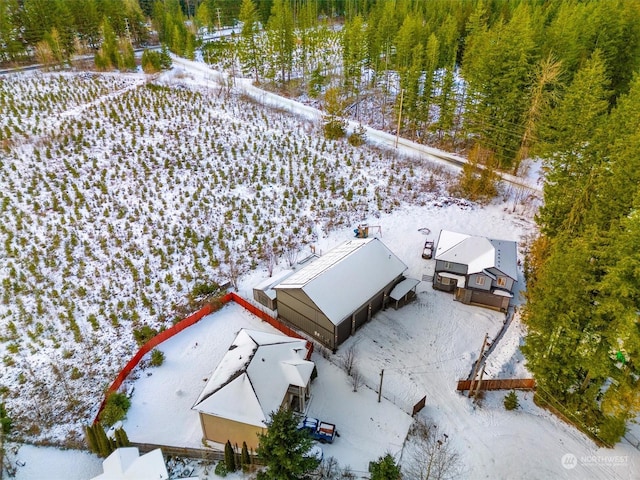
x: 229, y: 457
x: 157, y: 358
x: 511, y: 401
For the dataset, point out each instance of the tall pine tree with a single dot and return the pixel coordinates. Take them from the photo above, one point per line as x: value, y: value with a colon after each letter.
x: 283, y: 448
x: 569, y: 149
x: 249, y: 47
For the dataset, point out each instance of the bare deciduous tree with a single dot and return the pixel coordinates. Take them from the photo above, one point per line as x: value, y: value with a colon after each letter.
x: 270, y: 257
x: 234, y: 268
x: 357, y: 380
x: 329, y: 469
x: 348, y: 360
x: 429, y: 455
x: 291, y: 248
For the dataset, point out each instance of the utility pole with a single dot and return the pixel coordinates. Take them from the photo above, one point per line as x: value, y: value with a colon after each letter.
x: 477, y: 365
x: 399, y: 116
x: 380, y: 389
x: 126, y: 29
x: 219, y: 23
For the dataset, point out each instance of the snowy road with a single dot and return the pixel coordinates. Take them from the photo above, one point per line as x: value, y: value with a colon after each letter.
x: 377, y: 137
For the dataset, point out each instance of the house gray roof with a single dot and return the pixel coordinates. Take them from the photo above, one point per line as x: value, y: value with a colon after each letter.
x: 478, y: 253
x: 344, y: 278
x: 253, y: 377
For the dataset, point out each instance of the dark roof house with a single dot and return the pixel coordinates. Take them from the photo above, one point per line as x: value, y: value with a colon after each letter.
x: 478, y: 270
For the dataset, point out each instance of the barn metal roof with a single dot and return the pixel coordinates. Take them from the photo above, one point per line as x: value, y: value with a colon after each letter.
x: 344, y: 278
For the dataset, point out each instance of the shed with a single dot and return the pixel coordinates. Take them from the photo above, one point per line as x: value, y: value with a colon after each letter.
x: 404, y: 292
x: 264, y: 294
x: 333, y: 296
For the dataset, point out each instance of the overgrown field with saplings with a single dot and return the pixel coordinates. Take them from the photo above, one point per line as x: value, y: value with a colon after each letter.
x: 122, y: 202
x: 120, y: 198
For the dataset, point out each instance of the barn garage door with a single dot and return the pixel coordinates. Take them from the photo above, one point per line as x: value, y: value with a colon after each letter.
x: 361, y: 316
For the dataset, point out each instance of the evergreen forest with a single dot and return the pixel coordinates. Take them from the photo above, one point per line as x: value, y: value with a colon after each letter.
x: 500, y: 81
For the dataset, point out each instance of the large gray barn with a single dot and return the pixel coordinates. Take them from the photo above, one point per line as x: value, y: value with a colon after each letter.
x: 333, y: 296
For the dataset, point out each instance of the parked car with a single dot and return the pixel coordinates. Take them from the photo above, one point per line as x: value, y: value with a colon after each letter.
x: 324, y: 432
x: 427, y: 251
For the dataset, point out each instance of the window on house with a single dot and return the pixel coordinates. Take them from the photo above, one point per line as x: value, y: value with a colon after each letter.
x: 502, y: 281
x: 445, y: 280
x: 447, y: 265
x: 480, y: 281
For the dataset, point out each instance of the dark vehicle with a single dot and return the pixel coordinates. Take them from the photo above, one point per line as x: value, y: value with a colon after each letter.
x: 427, y: 251
x: 322, y: 431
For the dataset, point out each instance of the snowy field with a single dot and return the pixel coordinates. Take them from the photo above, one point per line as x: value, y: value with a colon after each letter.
x: 107, y: 217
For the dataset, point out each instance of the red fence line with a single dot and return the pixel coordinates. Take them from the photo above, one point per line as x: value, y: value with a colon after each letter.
x: 154, y: 342
x: 187, y: 322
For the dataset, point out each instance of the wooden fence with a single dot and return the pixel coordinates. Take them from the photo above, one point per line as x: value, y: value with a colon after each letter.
x: 194, y: 453
x: 501, y: 384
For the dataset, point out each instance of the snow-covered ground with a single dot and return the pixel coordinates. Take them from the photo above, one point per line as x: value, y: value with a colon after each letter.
x: 424, y: 348
x: 135, y: 185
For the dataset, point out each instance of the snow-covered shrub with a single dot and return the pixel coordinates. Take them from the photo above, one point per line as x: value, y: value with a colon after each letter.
x: 115, y: 408
x: 157, y: 358
x: 358, y: 137
x: 144, y: 334
x: 221, y: 469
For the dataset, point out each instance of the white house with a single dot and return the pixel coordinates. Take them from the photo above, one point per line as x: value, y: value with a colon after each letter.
x: 126, y: 464
x: 260, y: 373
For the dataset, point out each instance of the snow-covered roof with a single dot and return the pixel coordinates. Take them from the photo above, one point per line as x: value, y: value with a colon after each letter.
x: 401, y: 289
x: 266, y: 286
x: 253, y: 377
x: 478, y: 253
x: 346, y: 276
x: 127, y: 464
x: 268, y: 283
x: 461, y: 279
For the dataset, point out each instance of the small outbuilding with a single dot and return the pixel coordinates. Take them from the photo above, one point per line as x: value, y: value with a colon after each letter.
x: 264, y: 294
x: 336, y: 294
x: 260, y: 373
x: 478, y: 270
x: 127, y: 464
